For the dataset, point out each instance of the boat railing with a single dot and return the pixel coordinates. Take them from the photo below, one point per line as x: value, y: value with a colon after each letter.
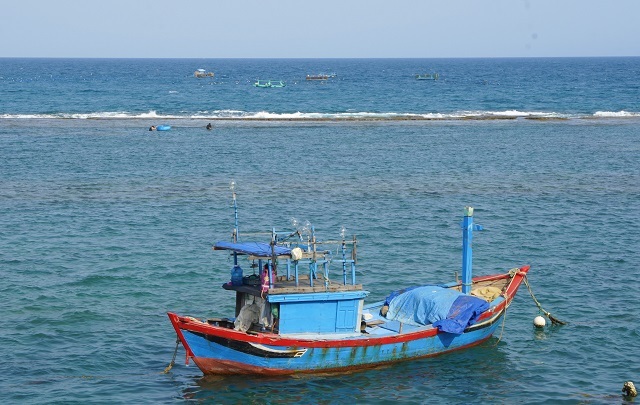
x: 301, y: 248
x: 308, y: 253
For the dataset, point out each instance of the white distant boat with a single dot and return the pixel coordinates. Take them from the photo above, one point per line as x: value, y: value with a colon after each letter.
x: 318, y: 77
x: 203, y: 73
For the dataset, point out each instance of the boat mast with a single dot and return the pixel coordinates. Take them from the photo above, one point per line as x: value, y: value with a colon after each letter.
x: 467, y: 254
x: 232, y: 186
x: 313, y: 265
x: 272, y: 267
x: 344, y: 256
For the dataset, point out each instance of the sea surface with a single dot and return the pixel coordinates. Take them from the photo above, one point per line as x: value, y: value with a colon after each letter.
x: 105, y: 226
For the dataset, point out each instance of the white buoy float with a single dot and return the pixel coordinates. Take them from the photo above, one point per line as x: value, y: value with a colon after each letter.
x: 539, y: 322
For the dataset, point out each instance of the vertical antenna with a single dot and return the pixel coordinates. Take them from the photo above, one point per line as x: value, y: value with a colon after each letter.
x: 343, y: 231
x: 232, y: 186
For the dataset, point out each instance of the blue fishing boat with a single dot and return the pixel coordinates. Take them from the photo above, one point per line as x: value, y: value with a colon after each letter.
x: 262, y: 83
x: 269, y: 83
x: 295, y: 317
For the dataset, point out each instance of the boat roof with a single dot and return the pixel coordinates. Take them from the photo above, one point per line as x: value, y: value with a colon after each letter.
x: 257, y: 249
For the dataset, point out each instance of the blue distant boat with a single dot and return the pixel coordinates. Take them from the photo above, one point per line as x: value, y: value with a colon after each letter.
x: 270, y: 83
x: 294, y: 317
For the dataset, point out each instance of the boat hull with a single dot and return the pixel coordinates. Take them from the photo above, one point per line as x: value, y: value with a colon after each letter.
x: 222, y: 350
x: 215, y: 356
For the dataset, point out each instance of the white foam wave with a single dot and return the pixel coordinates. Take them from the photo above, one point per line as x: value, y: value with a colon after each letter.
x: 93, y: 115
x: 301, y: 116
x: 614, y: 114
x: 510, y: 114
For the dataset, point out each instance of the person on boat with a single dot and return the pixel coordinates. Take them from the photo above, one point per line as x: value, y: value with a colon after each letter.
x: 152, y: 128
x: 265, y: 277
x: 209, y: 126
x: 264, y: 280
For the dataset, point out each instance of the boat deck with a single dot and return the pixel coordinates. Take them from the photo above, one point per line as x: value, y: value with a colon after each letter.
x: 489, y: 289
x: 373, y: 322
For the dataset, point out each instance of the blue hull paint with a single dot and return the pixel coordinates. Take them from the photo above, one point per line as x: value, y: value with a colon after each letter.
x: 305, y: 359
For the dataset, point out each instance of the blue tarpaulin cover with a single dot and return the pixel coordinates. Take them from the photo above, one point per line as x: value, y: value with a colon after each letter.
x: 447, y: 309
x: 259, y: 249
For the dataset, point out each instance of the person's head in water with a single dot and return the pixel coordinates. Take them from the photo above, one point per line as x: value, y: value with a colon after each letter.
x: 209, y: 126
x: 152, y: 128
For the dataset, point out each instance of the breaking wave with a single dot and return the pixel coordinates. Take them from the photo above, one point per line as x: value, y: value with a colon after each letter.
x: 335, y: 116
x: 614, y: 114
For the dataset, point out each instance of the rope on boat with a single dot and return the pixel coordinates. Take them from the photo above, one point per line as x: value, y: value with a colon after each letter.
x: 554, y: 320
x: 173, y: 360
x: 504, y: 320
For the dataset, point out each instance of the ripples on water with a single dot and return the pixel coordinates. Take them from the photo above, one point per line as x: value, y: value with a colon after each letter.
x: 105, y: 227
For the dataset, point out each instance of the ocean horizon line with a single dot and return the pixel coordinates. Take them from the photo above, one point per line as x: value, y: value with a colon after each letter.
x: 317, y: 58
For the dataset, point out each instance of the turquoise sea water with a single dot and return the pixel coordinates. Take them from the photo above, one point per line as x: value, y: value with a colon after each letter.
x: 105, y: 226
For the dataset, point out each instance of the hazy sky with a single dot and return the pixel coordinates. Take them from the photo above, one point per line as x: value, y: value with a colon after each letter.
x: 318, y: 28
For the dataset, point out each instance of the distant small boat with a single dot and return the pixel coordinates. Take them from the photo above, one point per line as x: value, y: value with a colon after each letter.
x: 262, y: 83
x: 203, y: 73
x: 270, y: 83
x: 317, y: 77
x: 428, y: 76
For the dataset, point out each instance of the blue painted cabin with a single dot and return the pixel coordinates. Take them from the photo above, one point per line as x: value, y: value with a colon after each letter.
x: 331, y: 312
x: 298, y: 303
